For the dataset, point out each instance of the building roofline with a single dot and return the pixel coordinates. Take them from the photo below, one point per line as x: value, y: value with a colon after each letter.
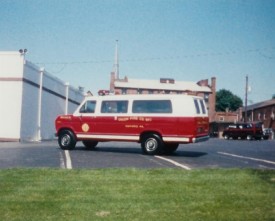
x: 157, y: 85
x: 261, y: 104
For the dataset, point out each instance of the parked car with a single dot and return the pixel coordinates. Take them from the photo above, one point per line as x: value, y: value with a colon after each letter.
x: 249, y: 131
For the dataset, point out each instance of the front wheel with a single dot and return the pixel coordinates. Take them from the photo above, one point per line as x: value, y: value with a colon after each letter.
x: 152, y: 144
x: 90, y: 144
x: 66, y: 140
x: 249, y: 137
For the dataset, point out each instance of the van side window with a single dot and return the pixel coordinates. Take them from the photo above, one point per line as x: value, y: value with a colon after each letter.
x: 203, y: 107
x: 197, y: 106
x: 152, y: 106
x: 88, y: 107
x: 114, y: 107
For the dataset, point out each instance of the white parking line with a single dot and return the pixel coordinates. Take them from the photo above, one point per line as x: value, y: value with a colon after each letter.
x: 174, y: 162
x: 68, y: 160
x: 62, y: 161
x: 249, y: 158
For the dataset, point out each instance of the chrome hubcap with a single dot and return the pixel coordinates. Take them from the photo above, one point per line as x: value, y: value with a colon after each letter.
x: 66, y: 139
x: 151, y: 144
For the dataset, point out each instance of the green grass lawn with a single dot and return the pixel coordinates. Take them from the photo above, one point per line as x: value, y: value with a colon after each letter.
x: 134, y: 194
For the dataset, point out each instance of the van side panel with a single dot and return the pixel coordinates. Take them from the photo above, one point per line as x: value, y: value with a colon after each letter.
x: 171, y: 129
x: 128, y: 127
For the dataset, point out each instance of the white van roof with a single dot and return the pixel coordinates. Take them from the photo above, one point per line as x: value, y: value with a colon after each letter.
x: 183, y: 105
x: 141, y: 97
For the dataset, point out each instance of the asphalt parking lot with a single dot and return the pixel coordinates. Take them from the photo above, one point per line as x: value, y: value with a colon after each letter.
x: 215, y: 153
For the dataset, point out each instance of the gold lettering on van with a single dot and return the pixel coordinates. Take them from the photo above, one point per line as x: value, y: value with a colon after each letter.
x: 131, y: 126
x: 142, y: 119
x: 133, y: 118
x: 123, y: 118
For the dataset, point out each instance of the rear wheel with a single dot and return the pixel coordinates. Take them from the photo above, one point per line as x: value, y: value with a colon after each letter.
x: 90, y: 144
x: 170, y: 148
x: 66, y: 140
x: 152, y: 144
x: 226, y: 137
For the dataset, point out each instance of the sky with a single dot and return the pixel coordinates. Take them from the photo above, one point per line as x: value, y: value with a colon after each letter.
x: 188, y: 40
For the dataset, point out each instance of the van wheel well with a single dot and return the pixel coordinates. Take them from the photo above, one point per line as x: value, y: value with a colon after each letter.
x: 64, y: 129
x: 146, y: 133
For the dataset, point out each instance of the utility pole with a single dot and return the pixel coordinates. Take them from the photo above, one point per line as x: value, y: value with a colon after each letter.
x: 116, y: 64
x: 245, y: 105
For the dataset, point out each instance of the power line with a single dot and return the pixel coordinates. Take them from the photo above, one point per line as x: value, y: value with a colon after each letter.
x: 211, y: 54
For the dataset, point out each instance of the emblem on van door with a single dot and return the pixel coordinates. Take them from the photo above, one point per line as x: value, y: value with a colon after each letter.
x: 85, y: 127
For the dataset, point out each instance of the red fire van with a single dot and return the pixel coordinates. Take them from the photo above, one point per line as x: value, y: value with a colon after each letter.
x: 159, y: 122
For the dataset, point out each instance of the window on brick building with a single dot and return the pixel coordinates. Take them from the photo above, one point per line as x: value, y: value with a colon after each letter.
x: 124, y: 91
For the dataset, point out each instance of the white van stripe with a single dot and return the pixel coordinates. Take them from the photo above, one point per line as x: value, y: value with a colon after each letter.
x: 176, y: 139
x: 108, y: 137
x: 133, y: 138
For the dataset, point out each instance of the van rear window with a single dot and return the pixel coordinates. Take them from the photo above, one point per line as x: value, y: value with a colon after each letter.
x: 200, y: 107
x: 152, y: 106
x: 197, y: 106
x: 203, y: 107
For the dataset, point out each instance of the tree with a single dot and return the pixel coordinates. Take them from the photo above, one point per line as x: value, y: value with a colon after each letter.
x: 225, y: 99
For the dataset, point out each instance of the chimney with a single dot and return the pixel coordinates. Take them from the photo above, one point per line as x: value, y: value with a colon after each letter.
x: 203, y: 82
x: 212, y: 100
x: 112, y: 82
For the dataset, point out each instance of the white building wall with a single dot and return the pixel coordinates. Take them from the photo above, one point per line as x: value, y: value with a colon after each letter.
x: 10, y: 110
x: 29, y: 113
x: 31, y: 119
x: 11, y: 72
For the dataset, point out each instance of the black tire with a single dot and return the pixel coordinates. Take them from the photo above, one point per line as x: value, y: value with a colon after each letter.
x: 249, y: 137
x: 152, y: 144
x: 66, y: 140
x: 170, y: 148
x: 226, y: 137
x: 90, y: 144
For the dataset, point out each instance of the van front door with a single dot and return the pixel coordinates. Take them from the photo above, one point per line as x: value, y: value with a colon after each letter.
x: 87, y: 119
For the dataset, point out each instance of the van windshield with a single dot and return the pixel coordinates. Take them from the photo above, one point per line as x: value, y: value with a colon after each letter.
x: 88, y: 107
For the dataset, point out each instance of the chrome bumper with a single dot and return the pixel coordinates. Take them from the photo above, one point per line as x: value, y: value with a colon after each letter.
x: 200, y: 139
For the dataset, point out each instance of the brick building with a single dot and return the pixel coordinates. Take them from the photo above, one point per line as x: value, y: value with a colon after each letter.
x: 167, y: 86
x: 221, y: 120
x: 262, y: 111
